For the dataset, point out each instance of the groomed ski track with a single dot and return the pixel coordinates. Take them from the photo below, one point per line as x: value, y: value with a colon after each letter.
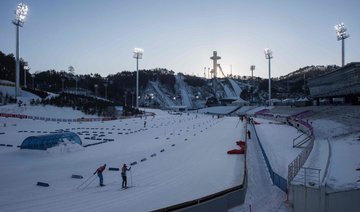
x: 181, y: 173
x: 261, y: 194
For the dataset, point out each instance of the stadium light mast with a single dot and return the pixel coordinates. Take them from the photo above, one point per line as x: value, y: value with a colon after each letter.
x: 62, y: 83
x: 33, y: 81
x: 341, y: 35
x: 21, y: 12
x: 252, y: 69
x: 138, y: 52
x: 269, y: 56
x: 106, y: 86
x: 26, y: 69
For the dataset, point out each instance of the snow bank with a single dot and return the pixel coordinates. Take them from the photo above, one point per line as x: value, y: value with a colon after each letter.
x: 64, y: 147
x: 277, y: 141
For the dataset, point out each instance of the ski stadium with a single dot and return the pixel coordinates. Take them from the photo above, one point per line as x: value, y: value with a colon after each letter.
x: 182, y: 162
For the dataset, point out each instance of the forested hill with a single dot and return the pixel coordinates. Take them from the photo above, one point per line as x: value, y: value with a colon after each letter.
x: 120, y: 87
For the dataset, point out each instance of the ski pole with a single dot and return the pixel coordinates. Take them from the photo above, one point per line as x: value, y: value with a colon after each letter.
x: 131, y: 178
x: 88, y: 183
x: 84, y: 181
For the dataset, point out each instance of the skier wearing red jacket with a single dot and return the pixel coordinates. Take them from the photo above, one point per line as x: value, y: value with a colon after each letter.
x: 99, y: 172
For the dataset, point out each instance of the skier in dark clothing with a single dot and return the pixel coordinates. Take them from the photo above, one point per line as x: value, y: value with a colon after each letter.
x: 99, y: 172
x: 123, y: 175
x: 249, y: 134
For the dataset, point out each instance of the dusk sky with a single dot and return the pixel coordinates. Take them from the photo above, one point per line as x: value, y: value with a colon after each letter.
x: 98, y: 36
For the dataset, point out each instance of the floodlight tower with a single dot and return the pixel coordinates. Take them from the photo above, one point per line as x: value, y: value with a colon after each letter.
x: 33, y: 81
x: 252, y: 68
x: 106, y: 86
x: 341, y: 35
x: 76, y: 84
x: 138, y: 52
x: 269, y: 56
x: 96, y: 89
x: 62, y: 83
x: 21, y: 12
x: 26, y: 69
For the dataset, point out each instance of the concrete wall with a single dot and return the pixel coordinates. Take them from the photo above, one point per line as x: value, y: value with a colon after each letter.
x: 343, y: 201
x: 307, y: 199
x: 221, y: 201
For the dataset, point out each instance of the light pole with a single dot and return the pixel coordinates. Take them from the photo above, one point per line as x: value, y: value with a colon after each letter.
x: 96, y: 88
x: 76, y: 85
x: 269, y: 56
x: 62, y: 83
x: 26, y: 68
x: 105, y: 85
x: 21, y: 12
x: 125, y: 97
x: 132, y: 98
x: 341, y: 35
x: 33, y: 81
x: 252, y: 68
x: 138, y: 52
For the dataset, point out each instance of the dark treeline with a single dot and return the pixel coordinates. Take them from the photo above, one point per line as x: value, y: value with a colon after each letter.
x: 7, y: 68
x: 86, y: 104
x: 122, y: 85
x: 118, y: 85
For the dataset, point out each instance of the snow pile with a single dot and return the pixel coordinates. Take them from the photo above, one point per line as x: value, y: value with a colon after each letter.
x: 65, y: 146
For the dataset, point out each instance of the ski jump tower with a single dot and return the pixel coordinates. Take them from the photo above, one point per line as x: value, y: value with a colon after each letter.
x: 215, y: 58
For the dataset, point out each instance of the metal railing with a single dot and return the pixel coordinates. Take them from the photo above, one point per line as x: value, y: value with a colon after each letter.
x: 299, y: 161
x: 308, y: 177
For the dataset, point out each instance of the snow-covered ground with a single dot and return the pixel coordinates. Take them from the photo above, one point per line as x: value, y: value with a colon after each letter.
x: 25, y: 96
x: 336, y: 146
x: 182, y: 86
x: 45, y: 111
x: 277, y: 141
x: 193, y: 164
x: 221, y: 110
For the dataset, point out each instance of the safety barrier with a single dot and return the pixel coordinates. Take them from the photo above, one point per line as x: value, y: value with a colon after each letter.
x: 295, y: 166
x: 20, y: 116
x: 277, y: 180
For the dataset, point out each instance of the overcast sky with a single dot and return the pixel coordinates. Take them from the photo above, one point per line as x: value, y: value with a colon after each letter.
x: 98, y: 36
